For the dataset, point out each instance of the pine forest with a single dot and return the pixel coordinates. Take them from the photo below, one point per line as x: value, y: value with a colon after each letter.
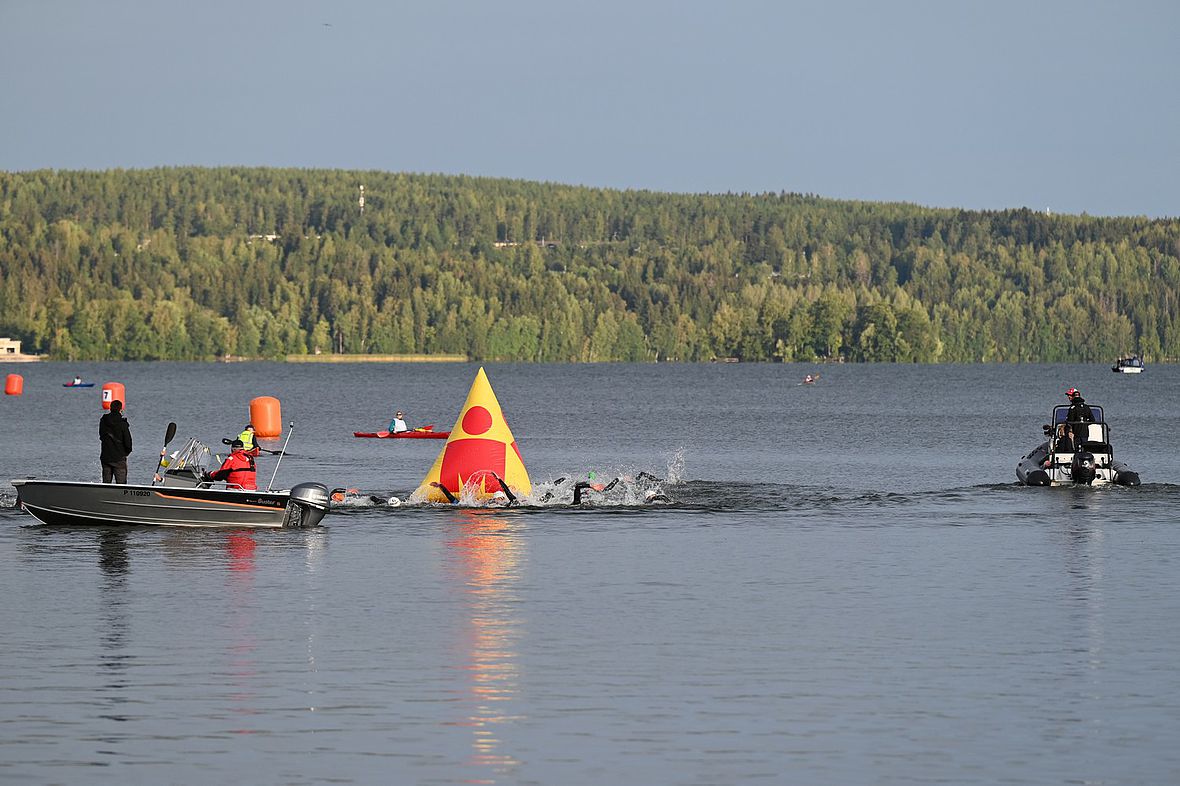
x: 201, y: 264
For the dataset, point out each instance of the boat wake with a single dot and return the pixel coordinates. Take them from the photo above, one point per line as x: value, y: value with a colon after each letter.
x: 644, y: 494
x: 640, y: 493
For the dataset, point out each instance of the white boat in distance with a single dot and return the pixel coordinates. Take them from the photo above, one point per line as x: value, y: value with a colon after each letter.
x: 1132, y: 364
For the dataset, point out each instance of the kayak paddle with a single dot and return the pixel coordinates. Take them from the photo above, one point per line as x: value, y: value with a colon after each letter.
x: 227, y: 441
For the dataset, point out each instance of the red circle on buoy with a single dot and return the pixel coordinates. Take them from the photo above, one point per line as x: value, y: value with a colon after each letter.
x: 477, y: 421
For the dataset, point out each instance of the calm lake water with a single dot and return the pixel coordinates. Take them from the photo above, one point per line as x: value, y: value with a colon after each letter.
x: 847, y: 586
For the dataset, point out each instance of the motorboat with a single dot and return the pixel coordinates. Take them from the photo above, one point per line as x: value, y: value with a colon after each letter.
x: 81, y: 503
x: 181, y: 497
x: 1091, y: 462
x: 1131, y: 364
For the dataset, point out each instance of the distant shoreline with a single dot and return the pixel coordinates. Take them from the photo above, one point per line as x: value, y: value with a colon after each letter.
x: 465, y: 359
x: 345, y: 358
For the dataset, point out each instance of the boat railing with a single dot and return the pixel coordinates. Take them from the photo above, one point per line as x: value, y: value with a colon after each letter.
x: 1062, y: 410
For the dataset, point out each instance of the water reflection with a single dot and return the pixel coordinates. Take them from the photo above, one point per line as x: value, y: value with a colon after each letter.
x: 486, y: 558
x: 113, y: 658
x: 240, y: 550
x: 317, y: 542
x: 1082, y: 667
x: 1085, y: 551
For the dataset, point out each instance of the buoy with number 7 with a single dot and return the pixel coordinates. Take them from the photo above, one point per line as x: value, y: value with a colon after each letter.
x: 480, y: 452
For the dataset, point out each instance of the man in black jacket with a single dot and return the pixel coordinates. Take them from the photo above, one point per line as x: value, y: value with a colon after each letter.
x: 115, y: 436
x: 1079, y: 417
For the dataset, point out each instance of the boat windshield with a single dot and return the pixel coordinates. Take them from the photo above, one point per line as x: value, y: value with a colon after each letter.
x: 194, y: 454
x: 1061, y: 410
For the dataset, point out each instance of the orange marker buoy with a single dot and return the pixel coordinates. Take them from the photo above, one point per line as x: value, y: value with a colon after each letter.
x: 266, y: 416
x: 113, y: 391
x: 14, y: 385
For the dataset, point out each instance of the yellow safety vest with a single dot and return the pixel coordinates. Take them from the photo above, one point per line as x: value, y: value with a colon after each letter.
x: 247, y: 438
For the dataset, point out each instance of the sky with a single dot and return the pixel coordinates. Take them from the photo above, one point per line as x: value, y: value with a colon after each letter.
x: 1069, y: 106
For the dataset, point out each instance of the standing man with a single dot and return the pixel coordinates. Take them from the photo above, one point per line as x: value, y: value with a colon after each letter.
x: 1079, y: 416
x: 114, y: 434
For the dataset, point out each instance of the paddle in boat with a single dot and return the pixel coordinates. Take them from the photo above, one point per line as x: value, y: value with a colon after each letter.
x: 180, y: 496
x: 1090, y: 462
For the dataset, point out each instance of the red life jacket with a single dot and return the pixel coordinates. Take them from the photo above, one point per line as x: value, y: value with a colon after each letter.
x: 238, y: 470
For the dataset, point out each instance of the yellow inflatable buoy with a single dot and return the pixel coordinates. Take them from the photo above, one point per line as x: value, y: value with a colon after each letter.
x: 481, y: 449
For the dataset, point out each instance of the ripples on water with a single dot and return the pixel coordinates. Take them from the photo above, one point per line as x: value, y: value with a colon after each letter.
x: 840, y: 588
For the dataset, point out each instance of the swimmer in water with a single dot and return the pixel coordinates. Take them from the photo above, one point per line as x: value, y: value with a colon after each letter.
x: 504, y: 495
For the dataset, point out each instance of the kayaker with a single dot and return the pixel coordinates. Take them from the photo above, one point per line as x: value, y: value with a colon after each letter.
x: 398, y: 424
x: 247, y: 437
x: 114, y: 434
x: 238, y: 469
x: 77, y: 380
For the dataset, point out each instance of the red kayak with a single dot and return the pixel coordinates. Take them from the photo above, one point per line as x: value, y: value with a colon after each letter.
x: 426, y: 432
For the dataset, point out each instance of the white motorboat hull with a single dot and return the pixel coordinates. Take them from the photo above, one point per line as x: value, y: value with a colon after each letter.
x: 1040, y: 468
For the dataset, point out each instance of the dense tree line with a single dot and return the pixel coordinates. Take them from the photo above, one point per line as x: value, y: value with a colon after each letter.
x: 197, y: 263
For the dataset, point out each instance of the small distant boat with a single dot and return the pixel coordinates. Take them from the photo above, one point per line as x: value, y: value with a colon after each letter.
x: 1131, y: 364
x: 77, y: 384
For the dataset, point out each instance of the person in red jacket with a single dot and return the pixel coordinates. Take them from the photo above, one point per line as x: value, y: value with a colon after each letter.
x: 238, y: 471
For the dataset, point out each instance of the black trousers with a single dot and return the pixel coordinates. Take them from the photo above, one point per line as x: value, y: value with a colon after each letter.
x: 116, y: 470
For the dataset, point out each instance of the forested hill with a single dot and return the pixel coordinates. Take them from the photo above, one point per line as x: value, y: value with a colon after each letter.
x: 199, y: 263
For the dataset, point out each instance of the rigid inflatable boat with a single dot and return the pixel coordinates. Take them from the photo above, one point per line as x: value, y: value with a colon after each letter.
x: 1090, y: 463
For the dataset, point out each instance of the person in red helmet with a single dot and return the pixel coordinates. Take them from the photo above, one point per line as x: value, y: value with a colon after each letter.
x: 1079, y: 417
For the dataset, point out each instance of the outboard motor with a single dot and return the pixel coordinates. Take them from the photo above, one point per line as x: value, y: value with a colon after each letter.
x: 1083, y: 468
x: 307, y: 506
